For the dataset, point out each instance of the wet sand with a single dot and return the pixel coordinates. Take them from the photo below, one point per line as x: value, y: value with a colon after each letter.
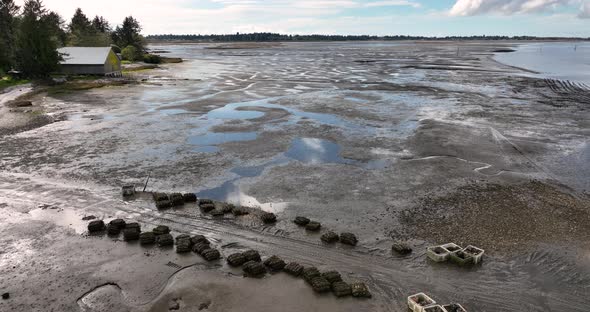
x: 390, y: 141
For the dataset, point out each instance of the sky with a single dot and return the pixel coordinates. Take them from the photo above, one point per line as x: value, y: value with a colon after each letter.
x: 569, y: 18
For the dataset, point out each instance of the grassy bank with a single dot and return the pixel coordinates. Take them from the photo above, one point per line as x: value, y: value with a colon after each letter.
x: 7, y: 81
x: 75, y: 84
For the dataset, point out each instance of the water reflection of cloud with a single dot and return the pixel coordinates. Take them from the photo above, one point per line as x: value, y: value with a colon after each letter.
x: 314, y: 144
x: 314, y: 150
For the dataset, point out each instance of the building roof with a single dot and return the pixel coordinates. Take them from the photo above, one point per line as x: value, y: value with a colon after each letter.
x: 84, y: 55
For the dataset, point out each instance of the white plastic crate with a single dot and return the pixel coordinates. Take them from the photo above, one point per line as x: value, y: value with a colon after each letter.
x: 419, y: 301
x: 451, y: 247
x: 461, y: 258
x: 454, y: 307
x: 435, y: 308
x: 128, y: 190
x: 475, y: 252
x: 438, y: 253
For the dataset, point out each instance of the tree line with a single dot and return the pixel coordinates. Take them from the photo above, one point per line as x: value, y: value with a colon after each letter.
x: 269, y: 37
x: 31, y: 35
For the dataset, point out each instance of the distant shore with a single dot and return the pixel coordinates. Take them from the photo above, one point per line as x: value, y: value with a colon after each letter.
x: 280, y: 38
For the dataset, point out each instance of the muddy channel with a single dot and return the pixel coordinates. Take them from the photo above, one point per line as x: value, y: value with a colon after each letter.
x: 426, y: 143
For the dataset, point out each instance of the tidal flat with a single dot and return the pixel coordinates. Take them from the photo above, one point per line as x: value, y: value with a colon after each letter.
x: 421, y: 142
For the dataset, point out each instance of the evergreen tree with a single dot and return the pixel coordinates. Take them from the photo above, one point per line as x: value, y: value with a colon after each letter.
x: 56, y: 27
x: 100, y: 24
x: 79, y: 23
x: 84, y: 33
x: 128, y: 35
x: 8, y: 11
x: 79, y: 29
x: 37, y: 49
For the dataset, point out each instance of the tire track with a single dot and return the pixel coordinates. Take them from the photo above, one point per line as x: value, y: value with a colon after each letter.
x: 568, y: 91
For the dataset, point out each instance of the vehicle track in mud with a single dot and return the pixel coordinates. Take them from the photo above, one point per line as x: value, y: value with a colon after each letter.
x: 567, y: 91
x: 391, y: 279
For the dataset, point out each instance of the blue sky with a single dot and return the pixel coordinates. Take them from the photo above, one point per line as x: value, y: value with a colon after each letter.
x: 376, y: 17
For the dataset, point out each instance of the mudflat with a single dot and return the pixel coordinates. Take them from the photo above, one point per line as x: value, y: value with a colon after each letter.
x: 420, y: 142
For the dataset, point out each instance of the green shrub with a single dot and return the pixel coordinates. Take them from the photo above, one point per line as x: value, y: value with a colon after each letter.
x: 152, y: 59
x: 7, y: 81
x: 129, y: 53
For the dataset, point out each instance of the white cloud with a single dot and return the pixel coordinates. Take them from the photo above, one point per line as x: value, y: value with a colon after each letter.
x: 475, y: 7
x: 393, y: 3
x: 226, y: 16
x: 585, y: 10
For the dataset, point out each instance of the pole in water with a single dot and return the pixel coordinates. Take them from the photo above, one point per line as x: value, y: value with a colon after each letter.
x: 146, y: 181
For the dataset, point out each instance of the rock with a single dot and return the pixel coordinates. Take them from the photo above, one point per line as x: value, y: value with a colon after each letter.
x: 147, y: 238
x: 200, y: 247
x: 313, y: 226
x: 310, y: 273
x: 183, y: 236
x: 163, y: 204
x: 236, y: 259
x: 228, y: 208
x: 21, y: 103
x: 173, y: 305
x: 133, y: 225
x: 453, y: 307
x: 330, y: 237
x: 165, y: 240
x: 401, y: 248
x: 240, y: 211
x: 293, y: 268
x: 207, y: 207
x: 199, y: 239
x: 160, y: 197
x: 211, y: 254
x: 217, y: 213
x: 204, y: 305
x: 86, y: 218
x: 275, y: 263
x: 320, y: 284
x: 113, y: 229
x: 161, y: 229
x: 120, y: 223
x: 176, y: 199
x: 332, y: 276
x: 130, y: 234
x: 95, y: 226
x: 341, y: 289
x: 5, y: 295
x: 303, y: 221
x: 115, y: 226
x: 204, y: 201
x: 189, y: 197
x: 348, y: 239
x: 183, y: 244
x: 128, y: 190
x: 254, y: 269
x: 252, y: 255
x: 360, y: 290
x: 269, y: 217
